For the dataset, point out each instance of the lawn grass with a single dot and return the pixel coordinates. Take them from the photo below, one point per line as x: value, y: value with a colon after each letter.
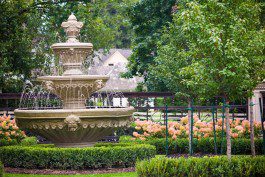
x: 129, y: 174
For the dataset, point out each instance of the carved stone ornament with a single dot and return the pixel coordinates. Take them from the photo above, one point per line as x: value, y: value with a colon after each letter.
x: 49, y: 85
x: 99, y: 84
x: 72, y: 122
x: 72, y: 28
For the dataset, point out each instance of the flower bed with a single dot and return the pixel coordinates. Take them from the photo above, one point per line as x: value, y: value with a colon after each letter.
x: 201, y: 129
x: 204, y: 145
x: 206, y: 166
x: 10, y: 134
x: 37, y: 157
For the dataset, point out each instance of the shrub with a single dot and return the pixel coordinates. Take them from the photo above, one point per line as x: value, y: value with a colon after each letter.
x: 1, y: 170
x: 205, y: 145
x: 29, y: 141
x: 10, y: 134
x: 36, y: 157
x: 112, y: 144
x: 206, y: 166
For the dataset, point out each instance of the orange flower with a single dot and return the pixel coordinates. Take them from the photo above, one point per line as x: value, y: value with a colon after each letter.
x: 234, y: 135
x: 135, y: 134
x: 206, y: 135
x: 7, y: 134
x: 142, y: 138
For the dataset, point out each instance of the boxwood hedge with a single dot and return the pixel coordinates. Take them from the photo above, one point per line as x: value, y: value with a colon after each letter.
x: 207, y: 167
x: 37, y: 157
x: 205, y: 146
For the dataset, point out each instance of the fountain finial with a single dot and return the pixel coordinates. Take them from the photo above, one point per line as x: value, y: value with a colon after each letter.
x: 72, y: 28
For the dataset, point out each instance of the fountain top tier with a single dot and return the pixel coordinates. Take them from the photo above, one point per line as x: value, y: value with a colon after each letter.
x: 72, y: 53
x: 73, y: 87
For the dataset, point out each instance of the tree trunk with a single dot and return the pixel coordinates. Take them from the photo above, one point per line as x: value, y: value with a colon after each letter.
x: 190, y: 127
x: 228, y: 136
x: 253, y: 153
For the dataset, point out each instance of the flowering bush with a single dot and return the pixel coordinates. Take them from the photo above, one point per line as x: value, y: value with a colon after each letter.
x: 201, y: 129
x: 9, y: 132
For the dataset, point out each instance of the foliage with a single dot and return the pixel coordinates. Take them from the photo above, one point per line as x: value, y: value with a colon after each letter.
x: 29, y: 141
x: 203, y: 146
x: 29, y: 28
x: 125, y: 174
x: 201, y: 129
x: 10, y: 134
x: 206, y: 166
x: 112, y: 144
x: 17, y: 32
x: 147, y: 18
x: 1, y: 169
x: 74, y: 158
x: 219, y: 48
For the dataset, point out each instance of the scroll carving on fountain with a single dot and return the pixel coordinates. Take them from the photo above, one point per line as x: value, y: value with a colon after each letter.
x: 74, y: 125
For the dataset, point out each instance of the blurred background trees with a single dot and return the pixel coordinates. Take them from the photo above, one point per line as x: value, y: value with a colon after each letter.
x: 29, y: 28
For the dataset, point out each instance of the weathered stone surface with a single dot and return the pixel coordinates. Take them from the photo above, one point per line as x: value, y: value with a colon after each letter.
x: 74, y: 125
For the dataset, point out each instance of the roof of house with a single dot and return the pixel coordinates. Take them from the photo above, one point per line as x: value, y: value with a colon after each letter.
x: 125, y: 52
x: 115, y: 83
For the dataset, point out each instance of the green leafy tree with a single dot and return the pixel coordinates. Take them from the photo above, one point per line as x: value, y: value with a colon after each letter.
x: 171, y: 68
x: 16, y: 35
x: 29, y: 28
x: 219, y: 45
x: 147, y: 18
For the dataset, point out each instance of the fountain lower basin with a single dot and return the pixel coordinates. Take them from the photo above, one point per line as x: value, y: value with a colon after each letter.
x: 74, y: 127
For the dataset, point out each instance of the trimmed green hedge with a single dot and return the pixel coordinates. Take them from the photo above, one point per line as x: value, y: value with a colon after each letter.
x: 206, y: 145
x: 108, y: 144
x: 1, y: 170
x: 4, y: 142
x: 29, y: 141
x: 207, y: 167
x: 36, y: 157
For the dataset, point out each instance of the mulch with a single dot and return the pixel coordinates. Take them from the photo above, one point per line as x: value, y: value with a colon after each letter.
x: 67, y: 172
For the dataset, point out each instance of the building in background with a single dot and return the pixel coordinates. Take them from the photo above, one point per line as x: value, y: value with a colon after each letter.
x: 114, y: 64
x: 258, y: 100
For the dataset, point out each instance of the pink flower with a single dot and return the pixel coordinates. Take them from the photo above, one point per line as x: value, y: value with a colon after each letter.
x: 135, y: 134
x: 206, y: 135
x: 178, y: 132
x: 7, y: 134
x: 138, y: 128
x: 146, y: 134
x: 239, y: 128
x: 234, y: 135
x: 245, y: 123
x: 171, y: 131
x: 13, y: 133
x: 142, y: 138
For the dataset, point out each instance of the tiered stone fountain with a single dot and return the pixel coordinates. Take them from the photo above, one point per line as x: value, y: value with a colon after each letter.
x: 74, y: 125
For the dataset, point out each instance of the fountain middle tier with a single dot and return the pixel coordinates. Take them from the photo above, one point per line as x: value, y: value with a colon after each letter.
x: 74, y: 90
x: 74, y: 127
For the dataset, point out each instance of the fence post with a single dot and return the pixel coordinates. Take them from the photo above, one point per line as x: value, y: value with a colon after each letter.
x: 223, y: 116
x: 262, y: 121
x: 166, y: 132
x: 214, y: 131
x: 191, y: 129
x: 147, y: 105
